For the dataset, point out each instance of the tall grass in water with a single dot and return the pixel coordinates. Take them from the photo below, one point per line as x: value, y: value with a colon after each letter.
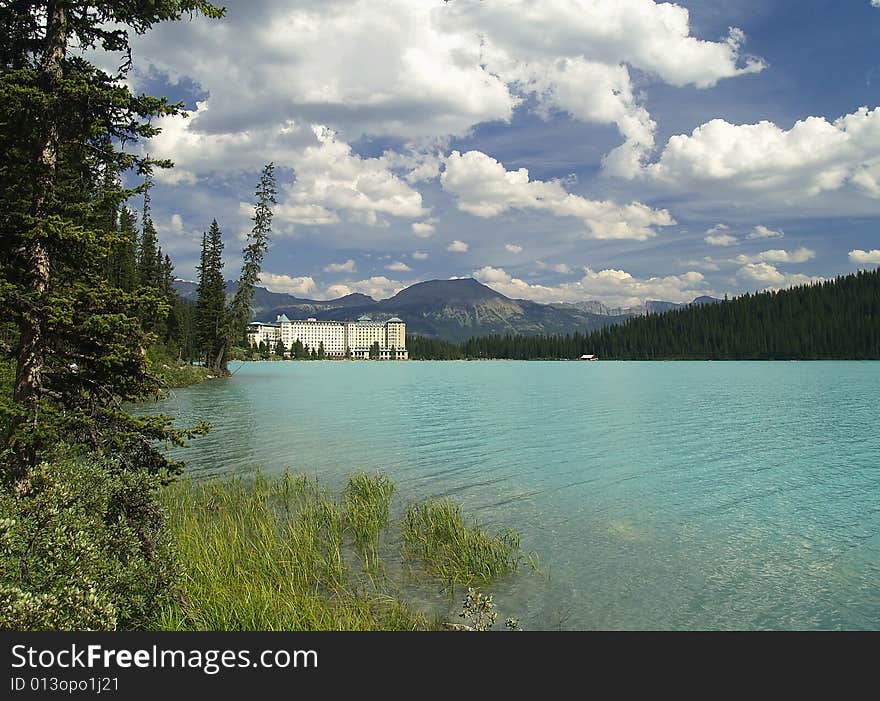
x: 267, y: 554
x: 367, y: 510
x: 436, y: 535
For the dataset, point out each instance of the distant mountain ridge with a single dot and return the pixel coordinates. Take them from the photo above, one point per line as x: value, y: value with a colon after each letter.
x: 649, y: 307
x: 266, y: 300
x: 452, y: 310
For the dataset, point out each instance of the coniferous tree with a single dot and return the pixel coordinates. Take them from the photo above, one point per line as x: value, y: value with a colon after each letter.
x: 252, y: 261
x: 148, y: 270
x: 835, y: 319
x: 122, y: 261
x: 211, y: 315
x: 79, y: 348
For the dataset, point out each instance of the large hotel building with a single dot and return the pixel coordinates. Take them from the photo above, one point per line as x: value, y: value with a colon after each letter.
x: 337, y: 337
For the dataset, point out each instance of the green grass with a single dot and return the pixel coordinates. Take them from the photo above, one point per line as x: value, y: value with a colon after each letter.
x: 368, y: 508
x: 281, y: 553
x: 437, y: 537
x: 269, y: 554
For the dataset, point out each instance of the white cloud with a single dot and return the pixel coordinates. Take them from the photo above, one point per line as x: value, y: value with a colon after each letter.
x: 513, y: 248
x: 762, y: 232
x: 346, y: 267
x: 718, y: 236
x: 767, y: 277
x: 424, y: 229
x: 378, y: 287
x: 484, y: 188
x: 336, y: 291
x: 704, y: 263
x: 176, y: 224
x: 609, y: 98
x: 875, y: 3
x: 720, y: 240
x: 561, y: 268
x: 419, y: 71
x: 398, y: 266
x: 361, y: 66
x: 176, y: 238
x: 763, y: 161
x: 615, y: 287
x: 297, y: 286
x: 172, y: 228
x: 871, y: 257
x: 420, y: 255
x: 308, y: 214
x: 418, y: 166
x: 573, y: 55
x: 330, y: 177
x: 654, y: 37
x: 800, y: 255
x: 458, y: 247
x: 197, y: 151
x: 332, y: 183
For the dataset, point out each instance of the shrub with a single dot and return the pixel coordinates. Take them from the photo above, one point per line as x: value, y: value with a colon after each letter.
x: 82, y: 547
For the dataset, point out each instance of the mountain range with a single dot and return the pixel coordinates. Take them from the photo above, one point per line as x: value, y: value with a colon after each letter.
x: 452, y: 310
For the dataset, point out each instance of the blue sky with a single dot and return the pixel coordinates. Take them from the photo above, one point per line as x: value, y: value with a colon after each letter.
x: 617, y: 150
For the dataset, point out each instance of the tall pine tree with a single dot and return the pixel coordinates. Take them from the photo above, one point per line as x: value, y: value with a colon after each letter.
x: 252, y: 261
x: 211, y: 317
x: 79, y: 348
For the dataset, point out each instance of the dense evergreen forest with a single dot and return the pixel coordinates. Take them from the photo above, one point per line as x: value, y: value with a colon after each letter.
x: 834, y: 320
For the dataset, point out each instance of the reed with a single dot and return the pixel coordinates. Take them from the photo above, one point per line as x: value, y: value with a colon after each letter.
x: 367, y: 510
x: 268, y: 554
x: 437, y: 536
x: 281, y: 553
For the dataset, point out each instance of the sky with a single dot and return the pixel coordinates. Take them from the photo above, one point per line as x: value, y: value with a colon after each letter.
x: 562, y: 150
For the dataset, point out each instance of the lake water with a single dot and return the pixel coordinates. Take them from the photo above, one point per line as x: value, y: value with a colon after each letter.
x: 687, y: 495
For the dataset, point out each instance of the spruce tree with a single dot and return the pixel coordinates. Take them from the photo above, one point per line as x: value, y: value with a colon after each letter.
x: 252, y: 261
x: 122, y: 263
x: 148, y: 255
x: 834, y: 320
x: 211, y: 320
x: 79, y: 348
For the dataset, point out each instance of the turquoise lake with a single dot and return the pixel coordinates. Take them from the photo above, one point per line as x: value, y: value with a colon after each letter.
x: 686, y: 495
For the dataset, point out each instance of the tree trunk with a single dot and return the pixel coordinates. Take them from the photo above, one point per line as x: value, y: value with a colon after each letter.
x: 32, y: 345
x: 219, y: 365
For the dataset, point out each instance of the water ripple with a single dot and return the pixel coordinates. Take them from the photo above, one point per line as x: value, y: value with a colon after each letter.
x: 659, y: 495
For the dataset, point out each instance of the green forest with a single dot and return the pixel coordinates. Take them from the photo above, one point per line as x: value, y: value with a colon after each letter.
x: 835, y: 320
